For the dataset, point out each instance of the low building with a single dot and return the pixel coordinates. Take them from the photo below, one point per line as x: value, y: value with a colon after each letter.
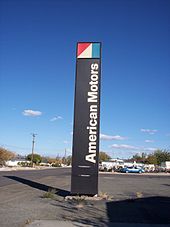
x: 166, y: 165
x: 15, y: 163
x: 113, y: 164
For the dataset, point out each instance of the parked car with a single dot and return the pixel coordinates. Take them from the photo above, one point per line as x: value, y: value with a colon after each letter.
x: 132, y: 169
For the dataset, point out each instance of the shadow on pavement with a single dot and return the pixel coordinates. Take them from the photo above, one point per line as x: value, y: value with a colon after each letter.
x: 149, y: 210
x: 84, y: 213
x: 166, y: 184
x: 152, y: 210
x: 43, y: 187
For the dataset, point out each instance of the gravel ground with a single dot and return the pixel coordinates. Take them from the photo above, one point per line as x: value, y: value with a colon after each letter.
x: 22, y: 204
x: 25, y: 197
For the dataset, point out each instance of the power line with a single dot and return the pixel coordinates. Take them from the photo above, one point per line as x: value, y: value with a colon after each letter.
x: 27, y: 148
x: 13, y: 146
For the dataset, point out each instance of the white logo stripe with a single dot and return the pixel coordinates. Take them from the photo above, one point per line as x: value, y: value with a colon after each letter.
x: 87, y: 53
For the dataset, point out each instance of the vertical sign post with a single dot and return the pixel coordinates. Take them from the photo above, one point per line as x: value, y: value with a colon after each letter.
x: 86, y: 120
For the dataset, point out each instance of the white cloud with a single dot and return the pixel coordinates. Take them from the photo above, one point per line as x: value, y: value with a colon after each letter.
x: 107, y: 137
x: 134, y: 148
x: 31, y: 113
x: 56, y: 118
x: 149, y: 149
x: 124, y: 146
x: 65, y: 141
x: 149, y: 131
x: 149, y: 141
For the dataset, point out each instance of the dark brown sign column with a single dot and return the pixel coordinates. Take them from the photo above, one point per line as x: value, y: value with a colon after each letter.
x: 86, y: 120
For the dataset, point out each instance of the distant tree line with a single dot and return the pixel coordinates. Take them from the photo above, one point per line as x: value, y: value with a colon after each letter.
x: 103, y: 156
x: 56, y: 162
x: 155, y: 158
x: 37, y: 159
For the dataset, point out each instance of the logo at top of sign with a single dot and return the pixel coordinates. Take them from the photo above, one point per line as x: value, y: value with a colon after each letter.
x: 88, y: 50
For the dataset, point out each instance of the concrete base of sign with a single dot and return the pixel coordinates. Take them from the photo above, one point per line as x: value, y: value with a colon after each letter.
x: 101, y: 196
x: 55, y: 223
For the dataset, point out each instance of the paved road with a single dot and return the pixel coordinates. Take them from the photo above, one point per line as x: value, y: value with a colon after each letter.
x: 117, y: 185
x: 135, y: 198
x: 32, y: 174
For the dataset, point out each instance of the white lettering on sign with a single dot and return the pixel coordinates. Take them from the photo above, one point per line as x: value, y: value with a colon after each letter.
x: 93, y: 116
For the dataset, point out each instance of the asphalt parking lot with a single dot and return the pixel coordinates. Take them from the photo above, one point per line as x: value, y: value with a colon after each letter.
x: 132, y: 198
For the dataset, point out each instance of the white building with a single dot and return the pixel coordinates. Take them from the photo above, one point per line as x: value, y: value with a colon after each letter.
x: 15, y: 163
x: 166, y: 165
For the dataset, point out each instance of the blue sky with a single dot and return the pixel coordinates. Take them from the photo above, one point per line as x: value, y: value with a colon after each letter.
x: 37, y: 73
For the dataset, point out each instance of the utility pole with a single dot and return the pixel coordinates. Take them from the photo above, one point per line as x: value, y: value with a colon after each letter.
x: 33, y: 143
x: 65, y: 156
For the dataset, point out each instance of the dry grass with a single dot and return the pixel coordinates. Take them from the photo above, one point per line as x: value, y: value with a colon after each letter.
x: 50, y: 194
x: 139, y: 194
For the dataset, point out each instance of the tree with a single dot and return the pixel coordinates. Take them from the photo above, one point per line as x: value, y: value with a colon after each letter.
x: 137, y: 158
x: 151, y: 159
x: 36, y: 158
x: 155, y: 158
x: 68, y: 160
x: 44, y: 159
x: 162, y: 156
x: 55, y: 162
x: 103, y: 156
x: 5, y: 155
